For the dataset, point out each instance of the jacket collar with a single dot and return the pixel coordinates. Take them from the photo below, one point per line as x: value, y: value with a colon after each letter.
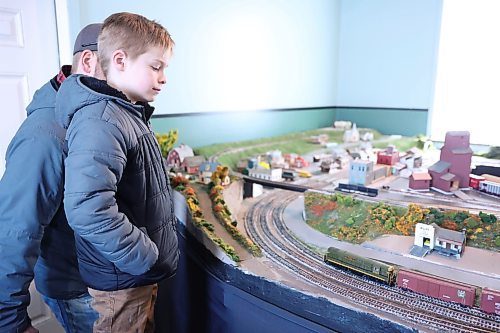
x: 78, y: 91
x: 104, y: 88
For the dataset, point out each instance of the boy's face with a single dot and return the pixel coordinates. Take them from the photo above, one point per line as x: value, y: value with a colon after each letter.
x: 145, y: 75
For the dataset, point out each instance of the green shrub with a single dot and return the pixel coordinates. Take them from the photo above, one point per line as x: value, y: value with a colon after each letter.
x: 487, y: 218
x: 350, y: 221
x: 471, y: 223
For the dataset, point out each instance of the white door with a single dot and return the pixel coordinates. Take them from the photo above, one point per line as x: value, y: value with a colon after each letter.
x: 28, y: 58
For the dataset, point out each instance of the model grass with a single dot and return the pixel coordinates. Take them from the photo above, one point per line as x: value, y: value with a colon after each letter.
x: 357, y: 221
x: 230, y: 153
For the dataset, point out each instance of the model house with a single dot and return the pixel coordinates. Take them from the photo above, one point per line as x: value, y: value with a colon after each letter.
x: 412, y: 159
x: 360, y: 172
x: 206, y: 170
x: 177, y: 155
x: 396, y: 168
x: 267, y: 174
x: 319, y: 139
x: 295, y: 161
x: 442, y: 178
x: 276, y: 159
x: 191, y: 164
x: 388, y: 156
x: 341, y: 124
x: 420, y: 181
x: 351, y: 135
x: 444, y: 241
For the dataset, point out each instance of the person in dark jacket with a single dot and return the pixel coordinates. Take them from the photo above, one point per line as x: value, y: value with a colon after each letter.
x: 117, y: 196
x: 33, y: 226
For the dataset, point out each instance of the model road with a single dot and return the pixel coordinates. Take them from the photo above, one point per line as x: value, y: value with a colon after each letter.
x: 265, y: 225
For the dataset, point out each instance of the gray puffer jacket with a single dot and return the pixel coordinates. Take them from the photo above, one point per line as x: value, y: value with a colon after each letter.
x: 117, y: 197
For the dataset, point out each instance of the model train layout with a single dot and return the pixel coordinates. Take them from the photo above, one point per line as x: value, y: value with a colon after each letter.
x: 487, y: 300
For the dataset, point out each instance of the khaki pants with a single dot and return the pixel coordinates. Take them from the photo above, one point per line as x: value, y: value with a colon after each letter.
x: 129, y: 310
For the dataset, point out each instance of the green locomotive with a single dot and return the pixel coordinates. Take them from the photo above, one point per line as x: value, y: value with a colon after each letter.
x: 375, y: 269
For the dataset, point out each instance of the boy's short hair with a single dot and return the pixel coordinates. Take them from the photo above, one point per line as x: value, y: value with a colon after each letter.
x: 131, y: 33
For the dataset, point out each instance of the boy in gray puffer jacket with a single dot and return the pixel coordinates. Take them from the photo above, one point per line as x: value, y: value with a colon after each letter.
x: 117, y: 196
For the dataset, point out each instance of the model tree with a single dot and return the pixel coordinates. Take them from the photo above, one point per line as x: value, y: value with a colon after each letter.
x: 167, y: 141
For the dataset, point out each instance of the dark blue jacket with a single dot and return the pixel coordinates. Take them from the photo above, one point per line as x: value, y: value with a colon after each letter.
x: 31, y: 191
x: 117, y: 196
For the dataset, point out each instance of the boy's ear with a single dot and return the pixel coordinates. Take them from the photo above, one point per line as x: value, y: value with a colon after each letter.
x: 118, y: 59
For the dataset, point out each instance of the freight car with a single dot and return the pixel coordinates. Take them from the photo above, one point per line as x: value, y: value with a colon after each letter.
x: 485, y: 183
x: 350, y: 188
x: 486, y: 299
x: 436, y: 287
x: 489, y: 187
x: 490, y: 301
x: 372, y: 268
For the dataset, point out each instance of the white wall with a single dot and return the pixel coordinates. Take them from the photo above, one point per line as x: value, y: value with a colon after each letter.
x: 238, y: 55
x: 467, y: 85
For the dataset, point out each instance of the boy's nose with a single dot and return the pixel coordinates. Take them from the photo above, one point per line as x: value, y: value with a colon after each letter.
x: 162, y: 79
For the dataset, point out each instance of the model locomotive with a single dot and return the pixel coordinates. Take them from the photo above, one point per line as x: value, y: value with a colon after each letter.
x: 488, y: 300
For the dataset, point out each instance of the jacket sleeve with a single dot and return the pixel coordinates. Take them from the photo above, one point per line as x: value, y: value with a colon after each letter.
x: 30, y: 193
x: 97, y: 156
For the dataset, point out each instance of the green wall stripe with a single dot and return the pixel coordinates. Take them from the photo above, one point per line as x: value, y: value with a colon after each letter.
x: 408, y: 122
x: 202, y: 129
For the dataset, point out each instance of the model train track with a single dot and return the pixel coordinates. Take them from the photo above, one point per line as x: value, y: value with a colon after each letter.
x: 265, y: 225
x: 393, y: 293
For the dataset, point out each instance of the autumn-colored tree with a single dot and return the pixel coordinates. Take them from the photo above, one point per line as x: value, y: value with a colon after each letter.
x: 215, y: 178
x: 317, y: 210
x: 167, y: 141
x: 218, y: 208
x: 179, y: 180
x: 449, y: 224
x: 224, y: 172
x: 219, y: 198
x: 415, y: 214
x: 216, y: 190
x: 189, y: 191
x: 331, y: 205
x: 382, y: 213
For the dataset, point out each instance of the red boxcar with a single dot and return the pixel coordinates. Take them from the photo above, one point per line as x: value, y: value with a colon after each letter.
x: 474, y: 181
x: 436, y: 287
x: 490, y: 301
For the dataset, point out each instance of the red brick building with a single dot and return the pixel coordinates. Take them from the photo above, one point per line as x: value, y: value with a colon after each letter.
x: 420, y: 181
x: 389, y: 156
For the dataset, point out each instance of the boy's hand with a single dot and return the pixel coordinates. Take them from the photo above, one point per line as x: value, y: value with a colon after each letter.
x: 31, y: 329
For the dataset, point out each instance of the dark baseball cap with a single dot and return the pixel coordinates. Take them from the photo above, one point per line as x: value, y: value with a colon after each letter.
x: 87, y: 38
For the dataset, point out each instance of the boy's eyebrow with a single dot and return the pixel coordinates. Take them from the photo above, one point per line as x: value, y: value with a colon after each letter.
x: 162, y: 63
